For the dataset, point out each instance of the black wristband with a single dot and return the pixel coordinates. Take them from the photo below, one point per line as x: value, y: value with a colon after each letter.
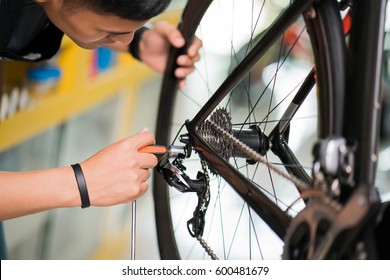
x: 78, y: 172
x: 134, y: 45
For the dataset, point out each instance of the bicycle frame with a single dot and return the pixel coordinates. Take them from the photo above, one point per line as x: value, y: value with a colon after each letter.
x: 364, y: 84
x: 363, y: 90
x: 266, y: 209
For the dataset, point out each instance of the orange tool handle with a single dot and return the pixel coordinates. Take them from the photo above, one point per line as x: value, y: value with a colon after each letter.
x: 153, y: 149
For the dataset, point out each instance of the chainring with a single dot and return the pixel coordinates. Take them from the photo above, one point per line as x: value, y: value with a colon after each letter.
x: 308, y: 229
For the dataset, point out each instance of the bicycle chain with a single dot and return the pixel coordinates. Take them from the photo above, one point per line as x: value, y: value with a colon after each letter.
x: 257, y: 157
x: 207, y: 248
x: 201, y: 209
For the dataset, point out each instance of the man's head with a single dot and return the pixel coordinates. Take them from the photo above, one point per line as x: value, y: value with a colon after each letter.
x: 139, y: 10
x: 94, y: 23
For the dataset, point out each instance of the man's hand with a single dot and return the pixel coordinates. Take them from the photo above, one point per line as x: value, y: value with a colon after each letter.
x: 119, y: 173
x: 154, y: 50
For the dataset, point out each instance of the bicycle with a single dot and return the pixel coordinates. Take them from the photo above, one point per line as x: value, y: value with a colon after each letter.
x: 302, y: 175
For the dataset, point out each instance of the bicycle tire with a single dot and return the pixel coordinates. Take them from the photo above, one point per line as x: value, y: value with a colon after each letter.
x: 328, y: 46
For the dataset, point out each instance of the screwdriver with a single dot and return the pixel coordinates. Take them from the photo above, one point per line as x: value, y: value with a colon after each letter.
x: 152, y: 149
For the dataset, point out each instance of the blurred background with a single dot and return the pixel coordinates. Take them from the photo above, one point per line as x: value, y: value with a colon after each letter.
x: 62, y: 111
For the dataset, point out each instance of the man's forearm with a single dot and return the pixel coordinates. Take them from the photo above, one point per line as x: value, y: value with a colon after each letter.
x: 23, y: 193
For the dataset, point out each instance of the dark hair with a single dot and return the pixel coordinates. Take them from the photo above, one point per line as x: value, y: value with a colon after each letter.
x: 138, y: 10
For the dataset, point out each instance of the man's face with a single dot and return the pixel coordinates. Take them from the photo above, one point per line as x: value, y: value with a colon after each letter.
x: 90, y: 30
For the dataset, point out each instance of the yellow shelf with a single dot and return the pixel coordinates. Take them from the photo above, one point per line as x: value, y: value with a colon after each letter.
x: 75, y: 93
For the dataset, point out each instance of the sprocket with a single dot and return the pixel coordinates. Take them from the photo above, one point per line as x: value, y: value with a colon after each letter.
x: 221, y: 145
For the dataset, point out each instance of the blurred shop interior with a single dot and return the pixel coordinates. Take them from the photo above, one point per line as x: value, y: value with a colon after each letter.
x: 64, y: 110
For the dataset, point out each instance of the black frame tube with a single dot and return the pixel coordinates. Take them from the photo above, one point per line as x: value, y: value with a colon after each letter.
x: 364, y: 96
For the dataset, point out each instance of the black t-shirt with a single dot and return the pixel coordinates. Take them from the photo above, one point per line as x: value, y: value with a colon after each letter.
x: 26, y: 33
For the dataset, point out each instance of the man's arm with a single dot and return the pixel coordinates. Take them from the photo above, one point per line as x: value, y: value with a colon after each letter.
x: 117, y: 174
x: 24, y: 193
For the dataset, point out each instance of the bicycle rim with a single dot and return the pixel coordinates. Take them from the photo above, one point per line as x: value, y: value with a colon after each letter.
x: 229, y: 30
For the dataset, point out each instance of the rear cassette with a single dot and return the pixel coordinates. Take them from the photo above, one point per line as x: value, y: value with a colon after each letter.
x: 221, y: 145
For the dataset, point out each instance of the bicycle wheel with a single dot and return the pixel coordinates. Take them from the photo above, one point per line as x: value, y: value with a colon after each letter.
x: 275, y: 99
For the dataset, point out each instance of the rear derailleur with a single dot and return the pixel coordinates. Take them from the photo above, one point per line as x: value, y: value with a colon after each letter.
x: 172, y: 168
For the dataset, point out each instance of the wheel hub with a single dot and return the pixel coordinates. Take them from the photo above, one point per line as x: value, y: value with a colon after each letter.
x: 252, y: 137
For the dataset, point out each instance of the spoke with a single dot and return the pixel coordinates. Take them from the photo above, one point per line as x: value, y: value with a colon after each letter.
x: 280, y: 102
x: 235, y: 230
x: 207, y: 78
x: 255, y: 232
x: 272, y: 183
x: 181, y: 217
x: 275, y: 121
x: 191, y: 98
x: 273, y: 78
x: 222, y: 228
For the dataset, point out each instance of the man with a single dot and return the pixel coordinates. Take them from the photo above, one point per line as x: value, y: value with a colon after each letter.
x: 32, y: 31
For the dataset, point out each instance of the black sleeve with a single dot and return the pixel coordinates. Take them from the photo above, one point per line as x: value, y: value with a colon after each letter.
x: 134, y: 45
